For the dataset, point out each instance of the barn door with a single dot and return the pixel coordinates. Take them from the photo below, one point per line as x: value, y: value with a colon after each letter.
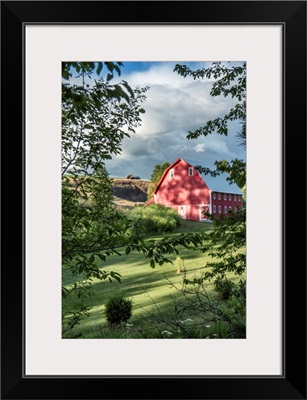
x: 182, y: 211
x: 203, y: 208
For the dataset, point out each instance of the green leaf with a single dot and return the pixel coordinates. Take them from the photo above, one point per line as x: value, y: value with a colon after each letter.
x: 65, y: 74
x: 99, y: 68
x: 110, y: 66
x: 64, y: 292
x: 125, y: 84
x: 109, y: 77
x: 128, y: 249
x: 116, y: 67
x: 152, y: 263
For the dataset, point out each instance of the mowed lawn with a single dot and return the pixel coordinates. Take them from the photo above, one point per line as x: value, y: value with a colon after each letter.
x: 151, y: 290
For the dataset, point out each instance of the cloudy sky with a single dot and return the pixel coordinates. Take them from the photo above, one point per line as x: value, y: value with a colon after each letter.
x: 174, y: 106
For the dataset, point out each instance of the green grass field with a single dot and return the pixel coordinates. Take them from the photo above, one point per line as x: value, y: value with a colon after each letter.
x: 152, y: 291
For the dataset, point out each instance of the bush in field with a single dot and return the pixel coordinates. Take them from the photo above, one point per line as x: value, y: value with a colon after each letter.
x: 118, y: 310
x: 155, y: 218
x: 224, y: 287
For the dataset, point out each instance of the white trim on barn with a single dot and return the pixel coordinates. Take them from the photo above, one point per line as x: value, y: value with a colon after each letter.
x: 201, y: 206
x: 182, y: 211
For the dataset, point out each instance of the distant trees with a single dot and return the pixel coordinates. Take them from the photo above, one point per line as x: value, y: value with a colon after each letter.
x: 131, y: 176
x: 156, y: 176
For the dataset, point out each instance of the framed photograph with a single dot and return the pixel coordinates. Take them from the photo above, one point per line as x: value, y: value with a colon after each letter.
x: 48, y: 352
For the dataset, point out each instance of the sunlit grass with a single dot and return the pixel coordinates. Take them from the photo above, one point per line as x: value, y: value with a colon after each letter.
x: 151, y: 290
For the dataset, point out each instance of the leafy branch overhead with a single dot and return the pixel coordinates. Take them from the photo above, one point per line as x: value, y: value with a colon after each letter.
x: 228, y: 81
x: 96, y: 116
x: 235, y: 169
x: 227, y: 241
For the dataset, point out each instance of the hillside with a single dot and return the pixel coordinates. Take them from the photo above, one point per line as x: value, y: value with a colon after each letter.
x: 130, y: 190
x: 127, y: 191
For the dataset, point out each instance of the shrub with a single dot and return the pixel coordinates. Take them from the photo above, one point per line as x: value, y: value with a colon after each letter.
x: 118, y: 310
x: 223, y: 287
x: 155, y: 218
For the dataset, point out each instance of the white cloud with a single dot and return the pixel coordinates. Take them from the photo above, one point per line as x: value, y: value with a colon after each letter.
x: 174, y: 106
x: 179, y: 147
x: 157, y: 74
x: 200, y: 148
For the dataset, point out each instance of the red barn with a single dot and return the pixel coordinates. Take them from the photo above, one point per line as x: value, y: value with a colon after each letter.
x: 183, y: 188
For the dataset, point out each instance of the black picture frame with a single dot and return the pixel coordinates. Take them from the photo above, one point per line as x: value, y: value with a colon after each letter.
x: 292, y: 16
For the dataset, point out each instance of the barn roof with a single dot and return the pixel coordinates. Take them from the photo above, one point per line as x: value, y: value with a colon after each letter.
x: 165, y: 172
x: 220, y: 184
x: 216, y: 184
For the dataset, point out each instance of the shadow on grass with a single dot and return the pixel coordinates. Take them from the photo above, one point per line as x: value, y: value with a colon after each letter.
x: 121, y: 263
x: 156, y: 306
x: 151, y: 290
x: 163, y: 320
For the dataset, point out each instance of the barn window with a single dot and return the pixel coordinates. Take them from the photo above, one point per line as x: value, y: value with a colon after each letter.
x: 219, y: 196
x: 190, y: 171
x: 219, y: 209
x: 235, y: 197
x: 172, y: 172
x: 225, y: 196
x: 229, y: 197
x: 214, y: 196
x: 214, y: 209
x: 239, y: 198
x: 230, y: 208
x: 225, y: 209
x: 235, y: 209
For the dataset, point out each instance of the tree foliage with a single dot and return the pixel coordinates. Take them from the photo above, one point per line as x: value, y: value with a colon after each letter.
x: 156, y: 176
x: 228, y: 81
x: 96, y: 117
x: 158, y: 172
x: 228, y: 237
